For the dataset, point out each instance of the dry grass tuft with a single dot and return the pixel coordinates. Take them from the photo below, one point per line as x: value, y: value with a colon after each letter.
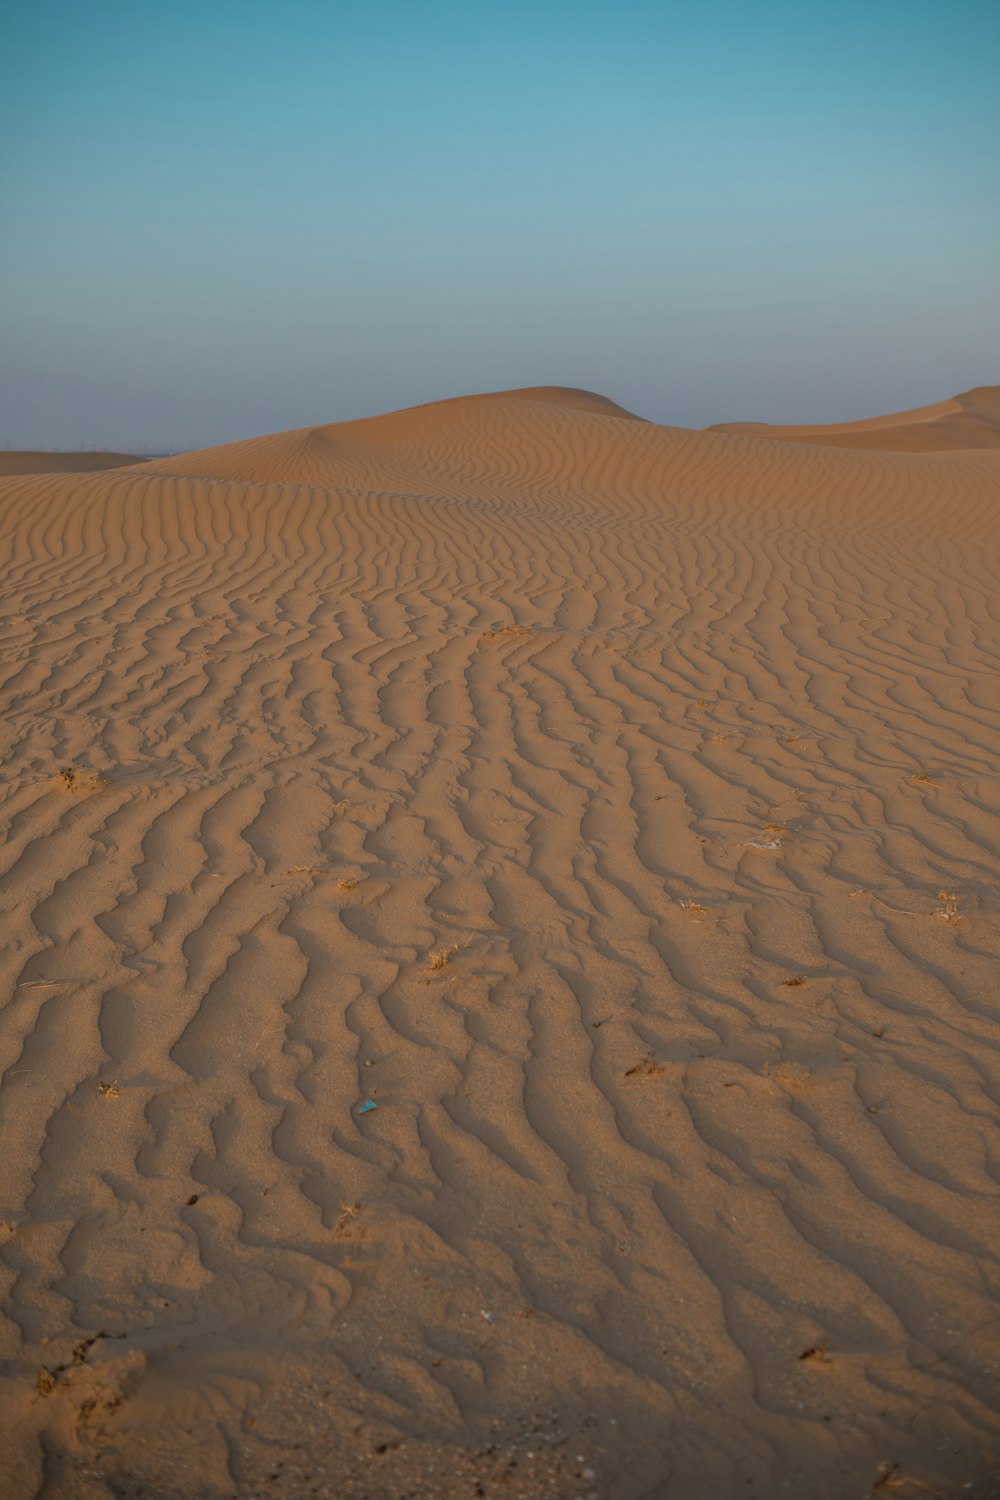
x: 504, y: 630
x: 647, y: 1068
x: 348, y: 1213
x: 947, y: 908
x: 441, y: 956
x: 79, y: 782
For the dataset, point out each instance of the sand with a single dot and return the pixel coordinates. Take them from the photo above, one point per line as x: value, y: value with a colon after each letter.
x: 615, y: 807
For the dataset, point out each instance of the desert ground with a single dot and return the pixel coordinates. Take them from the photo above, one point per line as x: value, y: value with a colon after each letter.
x: 500, y: 961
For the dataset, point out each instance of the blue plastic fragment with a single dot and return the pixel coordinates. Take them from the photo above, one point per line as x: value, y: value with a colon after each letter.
x: 368, y: 1104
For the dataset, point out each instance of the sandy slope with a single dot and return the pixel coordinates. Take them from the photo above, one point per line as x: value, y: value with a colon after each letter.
x: 25, y: 461
x: 614, y: 806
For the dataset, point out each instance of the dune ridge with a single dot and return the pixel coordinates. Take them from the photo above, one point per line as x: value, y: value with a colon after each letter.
x: 615, y: 808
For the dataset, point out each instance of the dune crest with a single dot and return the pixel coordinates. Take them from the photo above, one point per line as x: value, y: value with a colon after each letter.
x: 500, y: 941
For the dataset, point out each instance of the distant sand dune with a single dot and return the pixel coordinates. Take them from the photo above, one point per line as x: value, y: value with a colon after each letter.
x: 613, y: 806
x: 971, y: 420
x: 25, y: 462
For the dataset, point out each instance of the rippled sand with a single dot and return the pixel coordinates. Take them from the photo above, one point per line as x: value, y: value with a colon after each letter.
x: 615, y: 807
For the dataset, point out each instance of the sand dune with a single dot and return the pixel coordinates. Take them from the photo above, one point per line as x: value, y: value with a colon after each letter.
x: 615, y: 808
x: 971, y: 420
x: 24, y: 461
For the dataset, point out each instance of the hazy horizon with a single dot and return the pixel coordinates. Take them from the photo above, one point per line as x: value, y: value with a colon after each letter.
x: 229, y: 221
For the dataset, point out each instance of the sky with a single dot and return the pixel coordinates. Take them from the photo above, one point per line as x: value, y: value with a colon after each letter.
x: 220, y: 219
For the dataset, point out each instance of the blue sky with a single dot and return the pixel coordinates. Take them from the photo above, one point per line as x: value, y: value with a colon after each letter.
x: 227, y: 218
